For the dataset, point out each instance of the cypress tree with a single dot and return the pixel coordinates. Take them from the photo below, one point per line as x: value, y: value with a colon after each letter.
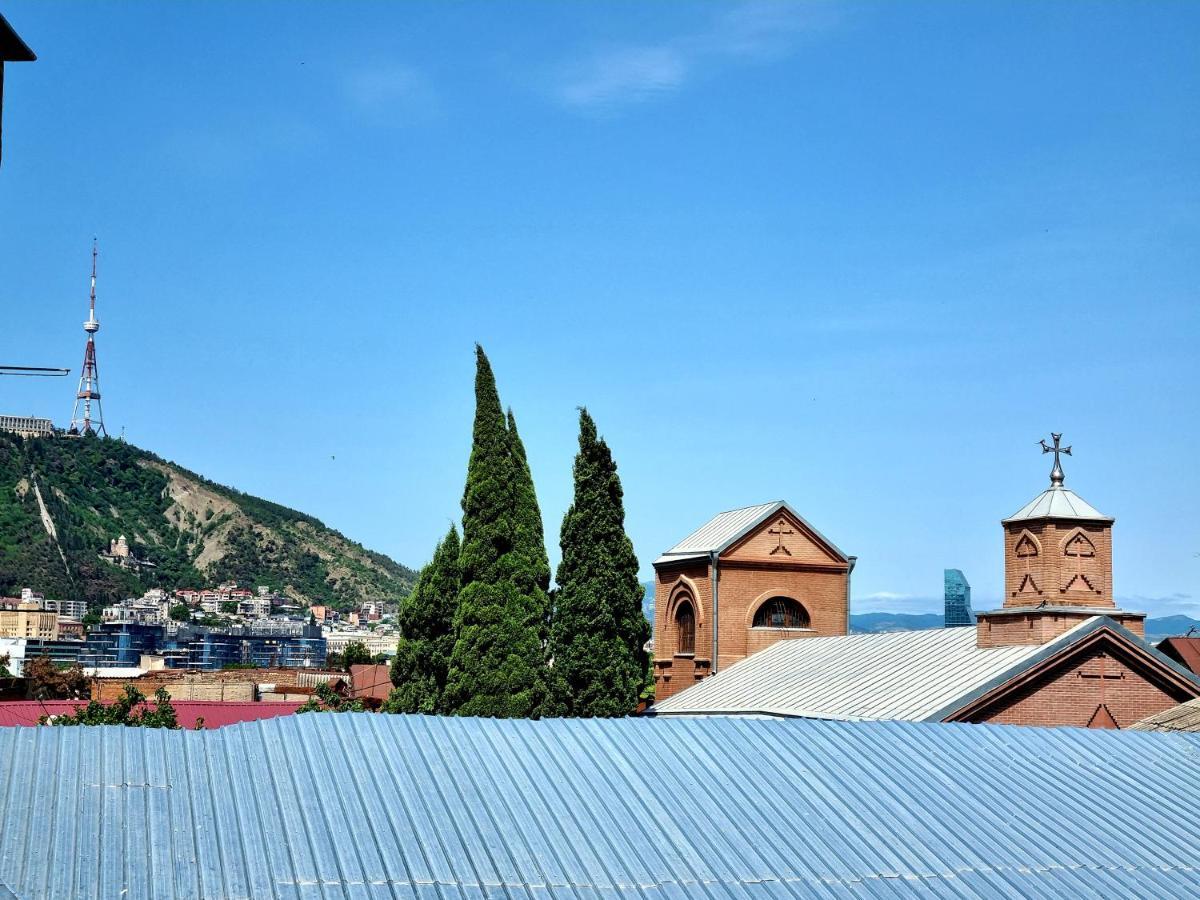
x: 599, y: 630
x: 426, y: 620
x: 497, y: 667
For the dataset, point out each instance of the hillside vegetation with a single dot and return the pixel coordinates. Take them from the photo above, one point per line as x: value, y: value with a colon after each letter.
x: 63, y: 499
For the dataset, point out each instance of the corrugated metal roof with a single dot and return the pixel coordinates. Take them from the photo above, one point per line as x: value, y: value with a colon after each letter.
x: 725, y: 529
x: 908, y: 675
x: 653, y: 808
x: 1058, y: 503
x: 898, y: 675
x: 1185, y: 717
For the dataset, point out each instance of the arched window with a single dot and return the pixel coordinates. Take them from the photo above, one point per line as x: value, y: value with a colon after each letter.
x: 685, y: 628
x: 781, y: 612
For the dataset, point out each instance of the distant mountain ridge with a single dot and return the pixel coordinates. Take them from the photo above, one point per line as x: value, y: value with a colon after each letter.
x: 1157, y: 628
x: 63, y: 499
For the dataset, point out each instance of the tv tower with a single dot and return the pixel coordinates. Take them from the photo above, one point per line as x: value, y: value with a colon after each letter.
x: 89, y: 378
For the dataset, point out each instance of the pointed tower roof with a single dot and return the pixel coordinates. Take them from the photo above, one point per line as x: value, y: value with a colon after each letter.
x: 1057, y: 501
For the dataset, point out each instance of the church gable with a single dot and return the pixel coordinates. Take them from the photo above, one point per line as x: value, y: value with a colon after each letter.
x: 782, y: 538
x: 1103, y: 681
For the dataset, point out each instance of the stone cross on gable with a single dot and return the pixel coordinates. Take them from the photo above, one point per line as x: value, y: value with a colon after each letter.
x: 1056, y: 474
x: 780, y: 530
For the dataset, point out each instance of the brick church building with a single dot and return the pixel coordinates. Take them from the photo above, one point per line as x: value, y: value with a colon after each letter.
x: 741, y: 582
x: 1058, y: 651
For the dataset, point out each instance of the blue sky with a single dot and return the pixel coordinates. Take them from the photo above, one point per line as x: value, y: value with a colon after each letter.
x: 857, y: 256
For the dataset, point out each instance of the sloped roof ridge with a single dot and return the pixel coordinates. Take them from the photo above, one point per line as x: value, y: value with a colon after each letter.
x: 915, y: 675
x: 726, y: 528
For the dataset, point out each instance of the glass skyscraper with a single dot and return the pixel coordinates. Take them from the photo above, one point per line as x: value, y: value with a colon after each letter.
x: 958, y: 600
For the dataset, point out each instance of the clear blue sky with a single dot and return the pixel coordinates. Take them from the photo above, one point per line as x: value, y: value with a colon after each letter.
x: 857, y: 256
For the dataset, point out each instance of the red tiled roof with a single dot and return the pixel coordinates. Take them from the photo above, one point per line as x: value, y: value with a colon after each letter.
x: 214, y: 712
x: 1183, y: 649
x: 370, y: 681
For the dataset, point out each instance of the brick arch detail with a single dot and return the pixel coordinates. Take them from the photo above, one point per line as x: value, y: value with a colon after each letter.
x: 1072, y: 534
x: 768, y: 595
x: 684, y: 586
x: 1026, y: 534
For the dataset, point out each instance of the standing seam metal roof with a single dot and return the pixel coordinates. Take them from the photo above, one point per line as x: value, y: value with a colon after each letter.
x: 649, y: 808
x: 1058, y: 503
x: 725, y: 529
x: 907, y: 675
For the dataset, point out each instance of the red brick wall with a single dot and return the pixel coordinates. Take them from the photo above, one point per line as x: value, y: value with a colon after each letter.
x: 1041, y: 625
x: 1052, y: 569
x: 750, y: 574
x: 673, y: 672
x: 1062, y: 697
x: 744, y: 588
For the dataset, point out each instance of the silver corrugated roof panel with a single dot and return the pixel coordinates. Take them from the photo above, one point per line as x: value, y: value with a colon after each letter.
x: 900, y: 675
x: 725, y: 529
x: 1185, y: 717
x: 1058, y: 503
x: 906, y: 675
x: 649, y: 808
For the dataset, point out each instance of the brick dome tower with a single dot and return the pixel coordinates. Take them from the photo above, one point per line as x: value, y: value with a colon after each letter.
x: 1057, y: 567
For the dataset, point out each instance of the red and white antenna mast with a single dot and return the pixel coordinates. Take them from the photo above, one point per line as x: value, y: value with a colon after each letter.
x: 89, y: 378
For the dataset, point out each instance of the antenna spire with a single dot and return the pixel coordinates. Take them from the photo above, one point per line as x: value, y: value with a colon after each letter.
x: 89, y: 378
x: 93, y: 294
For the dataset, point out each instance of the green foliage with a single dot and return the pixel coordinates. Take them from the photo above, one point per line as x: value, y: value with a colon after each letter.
x: 130, y: 709
x: 598, y: 630
x: 647, y: 694
x: 497, y: 666
x: 355, y: 654
x: 326, y: 699
x: 96, y: 488
x: 229, y: 607
x: 426, y: 621
x: 4, y: 661
x: 46, y: 681
x: 180, y: 612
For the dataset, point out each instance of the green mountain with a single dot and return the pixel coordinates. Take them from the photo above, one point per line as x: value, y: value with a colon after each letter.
x: 63, y: 499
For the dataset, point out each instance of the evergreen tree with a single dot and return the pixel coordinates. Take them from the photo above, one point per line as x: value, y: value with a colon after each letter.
x: 426, y: 620
x: 497, y: 667
x: 599, y: 629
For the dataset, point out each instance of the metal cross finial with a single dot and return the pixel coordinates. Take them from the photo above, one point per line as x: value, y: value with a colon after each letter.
x: 1056, y: 474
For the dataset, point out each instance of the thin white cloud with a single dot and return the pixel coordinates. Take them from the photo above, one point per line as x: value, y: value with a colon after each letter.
x: 390, y: 91
x: 749, y: 32
x: 624, y: 75
x: 1169, y: 605
x: 215, y: 149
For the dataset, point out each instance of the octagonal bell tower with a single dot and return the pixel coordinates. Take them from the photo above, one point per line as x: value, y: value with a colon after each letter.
x: 1057, y: 566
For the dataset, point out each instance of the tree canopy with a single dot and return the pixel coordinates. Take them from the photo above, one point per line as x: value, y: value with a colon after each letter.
x: 598, y: 631
x: 498, y: 663
x: 426, y: 622
x: 130, y: 709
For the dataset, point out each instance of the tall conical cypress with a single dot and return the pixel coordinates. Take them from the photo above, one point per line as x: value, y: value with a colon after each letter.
x: 599, y: 630
x: 497, y: 667
x: 426, y: 621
